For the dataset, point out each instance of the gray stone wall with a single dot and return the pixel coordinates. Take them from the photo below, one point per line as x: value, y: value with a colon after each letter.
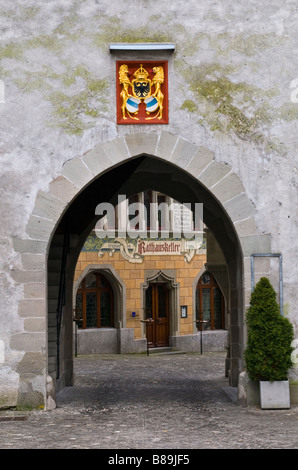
x: 229, y: 92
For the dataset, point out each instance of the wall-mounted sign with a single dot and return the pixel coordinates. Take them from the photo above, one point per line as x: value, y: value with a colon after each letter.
x: 183, y: 311
x: 142, y: 92
x: 134, y: 253
x: 135, y: 250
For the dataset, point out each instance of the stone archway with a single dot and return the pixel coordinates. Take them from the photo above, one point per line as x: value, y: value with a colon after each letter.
x: 53, y: 234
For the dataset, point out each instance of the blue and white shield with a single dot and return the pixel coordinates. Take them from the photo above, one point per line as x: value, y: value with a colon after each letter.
x: 132, y: 104
x: 151, y: 104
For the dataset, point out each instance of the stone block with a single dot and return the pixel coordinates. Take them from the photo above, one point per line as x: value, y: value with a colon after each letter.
x: 63, y: 189
x: 39, y: 228
x: 28, y: 342
x: 34, y: 290
x: 32, y: 363
x: 140, y: 345
x: 214, y: 173
x: 29, y: 246
x: 32, y: 308
x: 294, y: 393
x: 96, y: 160
x: 246, y: 227
x: 166, y: 144
x: 227, y: 188
x: 256, y: 244
x: 34, y: 324
x: 216, y: 340
x: 200, y: 161
x: 239, y: 208
x: 97, y: 341
x: 211, y: 341
x: 33, y: 262
x: 116, y: 150
x: 9, y: 388
x: 126, y: 340
x: 32, y: 393
x: 27, y: 276
x: 141, y: 143
x: 248, y: 391
x: 77, y: 172
x: 183, y: 153
x: 48, y: 206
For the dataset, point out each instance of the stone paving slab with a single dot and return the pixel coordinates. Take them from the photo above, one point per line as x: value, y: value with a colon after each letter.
x: 156, y: 402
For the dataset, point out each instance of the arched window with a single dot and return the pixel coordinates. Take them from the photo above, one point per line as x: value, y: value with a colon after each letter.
x: 209, y: 303
x: 94, y: 302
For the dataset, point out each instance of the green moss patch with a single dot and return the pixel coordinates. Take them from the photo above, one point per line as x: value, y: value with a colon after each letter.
x: 224, y: 104
x: 76, y: 112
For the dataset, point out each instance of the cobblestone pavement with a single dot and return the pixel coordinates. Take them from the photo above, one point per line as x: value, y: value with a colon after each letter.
x: 156, y: 402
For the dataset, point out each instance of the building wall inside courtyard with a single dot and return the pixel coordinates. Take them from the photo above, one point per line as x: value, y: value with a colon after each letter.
x: 134, y: 276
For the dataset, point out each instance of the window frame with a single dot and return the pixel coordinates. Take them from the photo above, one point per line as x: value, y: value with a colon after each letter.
x: 84, y: 290
x: 199, y: 297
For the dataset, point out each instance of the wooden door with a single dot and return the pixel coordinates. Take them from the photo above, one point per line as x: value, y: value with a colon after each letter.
x: 157, y: 310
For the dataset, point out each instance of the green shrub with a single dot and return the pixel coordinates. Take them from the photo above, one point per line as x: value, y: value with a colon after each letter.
x: 268, y: 352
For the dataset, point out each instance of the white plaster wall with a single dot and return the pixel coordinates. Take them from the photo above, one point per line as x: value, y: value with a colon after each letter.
x: 57, y: 53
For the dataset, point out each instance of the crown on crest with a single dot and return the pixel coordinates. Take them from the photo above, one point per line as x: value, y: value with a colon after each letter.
x: 141, y: 73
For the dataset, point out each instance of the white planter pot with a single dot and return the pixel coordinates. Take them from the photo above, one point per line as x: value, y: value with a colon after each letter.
x: 275, y: 395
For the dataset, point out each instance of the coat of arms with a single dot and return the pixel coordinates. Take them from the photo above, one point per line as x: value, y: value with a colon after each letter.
x: 142, y: 93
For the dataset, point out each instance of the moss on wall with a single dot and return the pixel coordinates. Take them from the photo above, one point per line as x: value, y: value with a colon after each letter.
x: 288, y: 112
x: 115, y: 31
x: 74, y: 113
x: 11, y: 51
x: 224, y: 104
x: 248, y: 45
x: 189, y: 106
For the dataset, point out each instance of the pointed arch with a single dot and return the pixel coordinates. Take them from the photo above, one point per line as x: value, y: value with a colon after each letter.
x: 58, y: 222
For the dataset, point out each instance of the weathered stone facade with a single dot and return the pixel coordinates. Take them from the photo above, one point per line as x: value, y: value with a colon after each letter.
x: 230, y: 143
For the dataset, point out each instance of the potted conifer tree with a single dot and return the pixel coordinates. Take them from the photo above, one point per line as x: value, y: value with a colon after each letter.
x: 268, y: 351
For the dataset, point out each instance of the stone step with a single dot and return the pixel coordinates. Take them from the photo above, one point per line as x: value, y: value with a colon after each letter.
x: 165, y: 350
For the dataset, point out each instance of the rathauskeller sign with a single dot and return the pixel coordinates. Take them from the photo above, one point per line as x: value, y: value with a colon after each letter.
x: 159, y: 247
x: 135, y: 250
